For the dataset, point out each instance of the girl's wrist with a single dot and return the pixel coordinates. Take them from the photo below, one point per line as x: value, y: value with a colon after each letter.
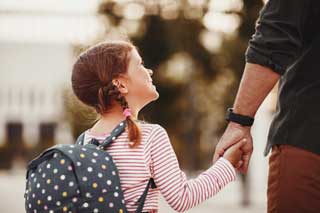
x: 229, y: 164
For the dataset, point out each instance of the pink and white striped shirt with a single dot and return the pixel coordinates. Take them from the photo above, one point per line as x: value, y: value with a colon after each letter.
x: 155, y: 157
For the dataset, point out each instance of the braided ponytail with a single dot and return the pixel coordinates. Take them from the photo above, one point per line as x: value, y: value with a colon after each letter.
x: 109, y: 92
x: 103, y: 98
x: 134, y: 132
x: 133, y: 128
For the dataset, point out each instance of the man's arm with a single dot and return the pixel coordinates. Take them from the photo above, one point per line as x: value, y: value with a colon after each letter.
x: 256, y: 83
x: 279, y: 39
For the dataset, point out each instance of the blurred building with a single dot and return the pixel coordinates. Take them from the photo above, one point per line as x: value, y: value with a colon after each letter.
x: 37, y: 39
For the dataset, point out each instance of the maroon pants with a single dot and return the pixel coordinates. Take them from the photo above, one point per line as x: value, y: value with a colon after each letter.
x: 294, y: 180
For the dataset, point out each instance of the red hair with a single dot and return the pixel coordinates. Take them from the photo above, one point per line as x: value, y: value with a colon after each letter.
x: 92, y: 76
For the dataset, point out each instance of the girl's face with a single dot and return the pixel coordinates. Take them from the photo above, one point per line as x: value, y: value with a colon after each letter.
x: 140, y: 89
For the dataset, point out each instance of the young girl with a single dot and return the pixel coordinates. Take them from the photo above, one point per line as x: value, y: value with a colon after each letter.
x: 111, y: 77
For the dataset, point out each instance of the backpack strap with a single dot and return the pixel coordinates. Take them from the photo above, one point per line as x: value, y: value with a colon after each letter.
x: 114, y: 134
x: 80, y: 139
x: 45, y: 155
x: 120, y: 128
x: 143, y: 197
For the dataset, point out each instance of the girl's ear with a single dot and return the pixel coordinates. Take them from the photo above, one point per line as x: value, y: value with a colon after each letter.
x: 121, y: 85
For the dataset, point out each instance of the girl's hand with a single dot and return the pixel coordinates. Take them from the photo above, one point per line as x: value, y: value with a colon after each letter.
x: 234, y: 154
x: 232, y: 135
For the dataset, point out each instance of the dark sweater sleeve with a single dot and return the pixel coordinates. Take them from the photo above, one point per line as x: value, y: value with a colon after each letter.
x: 279, y: 35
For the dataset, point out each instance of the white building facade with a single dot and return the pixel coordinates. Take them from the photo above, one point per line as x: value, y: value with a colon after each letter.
x: 37, y: 39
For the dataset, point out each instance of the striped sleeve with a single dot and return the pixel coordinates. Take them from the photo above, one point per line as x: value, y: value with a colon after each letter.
x: 182, y: 194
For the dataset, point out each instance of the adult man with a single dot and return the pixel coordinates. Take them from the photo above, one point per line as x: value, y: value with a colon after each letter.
x: 285, y: 47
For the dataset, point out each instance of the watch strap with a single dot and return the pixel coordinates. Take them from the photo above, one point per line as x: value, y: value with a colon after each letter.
x: 238, y: 118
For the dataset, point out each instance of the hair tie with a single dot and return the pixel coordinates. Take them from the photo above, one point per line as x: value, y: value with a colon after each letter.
x: 127, y: 112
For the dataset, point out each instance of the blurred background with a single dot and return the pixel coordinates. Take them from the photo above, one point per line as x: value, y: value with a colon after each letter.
x: 195, y: 48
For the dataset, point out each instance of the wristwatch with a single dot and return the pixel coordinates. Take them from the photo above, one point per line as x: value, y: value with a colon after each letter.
x: 243, y: 120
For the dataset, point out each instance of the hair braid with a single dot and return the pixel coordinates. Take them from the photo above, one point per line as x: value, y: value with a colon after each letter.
x: 112, y: 91
x: 133, y: 128
x: 104, y: 98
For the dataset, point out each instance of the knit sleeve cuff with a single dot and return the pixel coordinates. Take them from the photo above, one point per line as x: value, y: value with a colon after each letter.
x: 230, y: 167
x: 223, y: 171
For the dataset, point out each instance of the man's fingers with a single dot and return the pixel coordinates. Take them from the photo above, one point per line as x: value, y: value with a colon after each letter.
x: 230, y: 139
x: 215, y: 157
x: 239, y: 165
x: 219, y: 152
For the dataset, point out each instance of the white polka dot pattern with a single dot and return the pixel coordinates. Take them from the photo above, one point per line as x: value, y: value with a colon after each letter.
x: 53, y: 185
x: 73, y: 178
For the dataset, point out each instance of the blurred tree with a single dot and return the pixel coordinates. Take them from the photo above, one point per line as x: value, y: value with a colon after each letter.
x: 196, y: 48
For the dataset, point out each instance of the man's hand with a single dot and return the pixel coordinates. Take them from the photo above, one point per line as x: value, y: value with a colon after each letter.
x: 233, y: 134
x: 234, y: 154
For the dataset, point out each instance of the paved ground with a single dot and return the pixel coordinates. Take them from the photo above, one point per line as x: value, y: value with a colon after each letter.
x: 12, y: 187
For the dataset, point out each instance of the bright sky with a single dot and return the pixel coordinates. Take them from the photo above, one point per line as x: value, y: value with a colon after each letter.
x: 48, y: 20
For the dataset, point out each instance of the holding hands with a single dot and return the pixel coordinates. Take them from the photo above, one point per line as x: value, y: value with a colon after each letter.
x: 236, y: 146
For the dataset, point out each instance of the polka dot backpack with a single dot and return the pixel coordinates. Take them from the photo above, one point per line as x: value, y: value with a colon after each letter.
x: 77, y: 178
